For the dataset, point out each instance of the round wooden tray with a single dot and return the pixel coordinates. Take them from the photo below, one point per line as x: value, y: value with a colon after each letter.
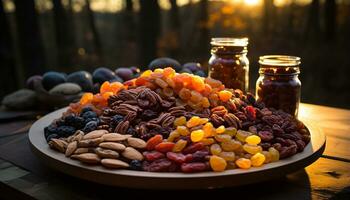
x: 152, y: 180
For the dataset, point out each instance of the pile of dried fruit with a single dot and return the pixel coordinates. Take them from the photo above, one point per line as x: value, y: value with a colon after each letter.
x: 185, y: 122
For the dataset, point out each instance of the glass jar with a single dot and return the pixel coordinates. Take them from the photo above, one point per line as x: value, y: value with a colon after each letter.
x: 278, y: 85
x: 229, y: 63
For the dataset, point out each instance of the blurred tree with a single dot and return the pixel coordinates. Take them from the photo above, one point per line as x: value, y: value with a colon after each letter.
x: 175, y: 28
x: 65, y: 41
x: 96, y: 37
x: 29, y: 37
x: 7, y: 69
x: 204, y: 40
x: 129, y: 5
x: 149, y: 23
x: 269, y: 12
x: 330, y: 19
x: 313, y: 29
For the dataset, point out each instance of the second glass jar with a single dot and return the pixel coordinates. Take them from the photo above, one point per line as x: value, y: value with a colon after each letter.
x: 278, y: 85
x: 229, y: 62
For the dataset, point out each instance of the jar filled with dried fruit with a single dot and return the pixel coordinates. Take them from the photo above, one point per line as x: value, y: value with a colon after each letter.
x: 278, y: 85
x: 229, y: 62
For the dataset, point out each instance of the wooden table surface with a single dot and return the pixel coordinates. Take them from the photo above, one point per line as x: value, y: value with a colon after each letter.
x: 23, y: 176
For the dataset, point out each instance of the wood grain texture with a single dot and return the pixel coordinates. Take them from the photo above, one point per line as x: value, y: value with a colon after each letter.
x: 335, y: 123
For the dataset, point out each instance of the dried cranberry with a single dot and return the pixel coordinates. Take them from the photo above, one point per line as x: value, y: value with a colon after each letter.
x: 153, y: 155
x: 193, y: 148
x: 251, y: 113
x: 193, y: 167
x: 176, y: 157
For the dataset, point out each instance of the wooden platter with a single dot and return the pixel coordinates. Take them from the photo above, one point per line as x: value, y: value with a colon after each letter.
x: 152, y: 180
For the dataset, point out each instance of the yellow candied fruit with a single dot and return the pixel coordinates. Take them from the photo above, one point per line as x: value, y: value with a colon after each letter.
x: 159, y: 70
x: 205, y: 102
x: 267, y: 156
x: 194, y: 121
x: 209, y: 130
x: 242, y: 135
x: 230, y: 131
x: 252, y: 149
x: 257, y: 160
x: 179, y: 145
x: 222, y: 138
x: 203, y: 120
x: 275, y: 155
x: 253, y: 140
x: 225, y: 95
x: 173, y: 135
x: 183, y: 130
x: 180, y: 121
x: 217, y: 163
x: 243, y: 163
x: 215, y: 149
x: 231, y: 145
x: 146, y: 73
x: 220, y: 129
x: 228, y: 155
x: 207, y: 141
x: 197, y: 135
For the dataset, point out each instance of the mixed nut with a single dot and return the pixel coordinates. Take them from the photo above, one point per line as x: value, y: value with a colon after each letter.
x: 165, y: 121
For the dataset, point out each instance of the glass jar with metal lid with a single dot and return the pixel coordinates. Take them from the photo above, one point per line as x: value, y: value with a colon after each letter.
x: 229, y: 63
x: 278, y: 85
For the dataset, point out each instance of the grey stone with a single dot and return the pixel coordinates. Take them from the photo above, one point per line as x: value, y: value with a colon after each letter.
x: 66, y: 89
x: 21, y: 99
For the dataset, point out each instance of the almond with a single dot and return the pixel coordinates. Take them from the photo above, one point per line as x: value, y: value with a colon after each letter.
x: 90, y: 142
x: 114, y: 163
x: 87, y: 158
x: 132, y: 154
x: 136, y: 143
x: 94, y: 134
x: 113, y: 146
x: 82, y: 150
x: 106, y: 153
x: 78, y: 136
x: 114, y: 137
x: 58, y: 144
x: 71, y: 147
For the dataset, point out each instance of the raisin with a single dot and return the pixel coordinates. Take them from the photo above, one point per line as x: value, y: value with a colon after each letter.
x: 194, y: 167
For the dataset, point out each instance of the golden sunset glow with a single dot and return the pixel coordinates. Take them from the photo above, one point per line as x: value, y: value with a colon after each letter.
x: 252, y: 2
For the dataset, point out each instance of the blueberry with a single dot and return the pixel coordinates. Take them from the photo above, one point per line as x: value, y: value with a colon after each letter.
x: 200, y: 73
x: 165, y: 62
x: 75, y: 121
x: 82, y: 78
x: 95, y: 119
x: 51, y: 129
x: 136, y: 165
x: 50, y: 137
x: 192, y: 66
x: 116, y: 119
x: 90, y: 126
x: 31, y: 81
x: 124, y: 73
x: 89, y: 114
x: 85, y: 109
x: 65, y: 131
x: 102, y: 74
x: 51, y: 79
